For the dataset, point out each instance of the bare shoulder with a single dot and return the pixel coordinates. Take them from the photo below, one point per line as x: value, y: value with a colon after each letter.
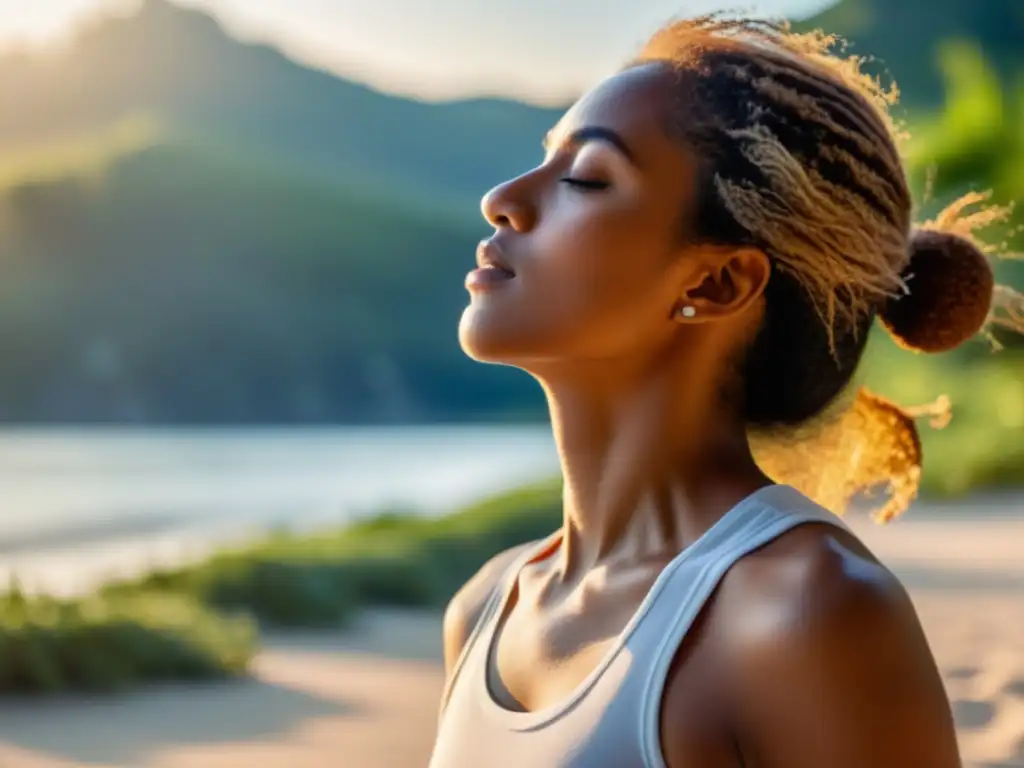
x: 466, y: 606
x: 825, y: 640
x: 819, y: 578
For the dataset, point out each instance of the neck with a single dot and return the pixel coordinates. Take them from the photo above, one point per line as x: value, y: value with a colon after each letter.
x: 650, y: 458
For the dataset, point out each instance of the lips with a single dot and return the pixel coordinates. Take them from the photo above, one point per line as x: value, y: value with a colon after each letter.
x: 489, y: 256
x: 492, y: 270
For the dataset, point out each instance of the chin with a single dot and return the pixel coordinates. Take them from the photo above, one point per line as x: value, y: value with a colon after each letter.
x: 502, y: 335
x: 491, y: 337
x: 482, y: 338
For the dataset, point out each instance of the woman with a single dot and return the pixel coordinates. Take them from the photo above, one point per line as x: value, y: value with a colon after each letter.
x: 699, y: 259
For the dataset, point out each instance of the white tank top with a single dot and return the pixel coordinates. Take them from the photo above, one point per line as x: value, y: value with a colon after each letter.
x: 612, y: 718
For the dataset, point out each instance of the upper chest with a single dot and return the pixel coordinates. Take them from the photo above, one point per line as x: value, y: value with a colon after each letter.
x: 543, y: 654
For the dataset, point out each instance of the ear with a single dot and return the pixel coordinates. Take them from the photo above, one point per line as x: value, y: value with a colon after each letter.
x: 721, y: 282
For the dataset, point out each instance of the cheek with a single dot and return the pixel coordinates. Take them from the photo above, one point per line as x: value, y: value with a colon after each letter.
x: 604, y: 264
x: 591, y: 281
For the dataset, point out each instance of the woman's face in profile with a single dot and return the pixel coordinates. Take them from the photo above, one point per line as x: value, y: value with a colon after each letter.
x: 586, y: 245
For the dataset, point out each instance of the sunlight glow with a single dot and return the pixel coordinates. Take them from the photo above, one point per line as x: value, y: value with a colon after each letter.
x: 533, y: 49
x: 47, y: 20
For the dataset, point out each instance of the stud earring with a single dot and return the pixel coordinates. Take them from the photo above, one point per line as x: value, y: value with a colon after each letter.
x: 688, y: 311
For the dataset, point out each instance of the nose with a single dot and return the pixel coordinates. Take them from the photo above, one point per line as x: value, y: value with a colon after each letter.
x: 506, y: 206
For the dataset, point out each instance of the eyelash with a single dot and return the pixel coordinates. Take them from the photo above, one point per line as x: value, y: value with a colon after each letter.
x: 585, y: 185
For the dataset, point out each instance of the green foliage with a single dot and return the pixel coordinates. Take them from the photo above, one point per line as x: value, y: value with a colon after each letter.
x: 976, y: 140
x: 964, y: 137
x: 975, y: 143
x: 199, y: 621
x: 903, y: 38
x: 322, y: 579
x: 105, y: 643
x: 983, y: 446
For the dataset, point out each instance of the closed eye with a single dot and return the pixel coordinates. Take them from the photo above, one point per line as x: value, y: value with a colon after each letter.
x: 591, y: 185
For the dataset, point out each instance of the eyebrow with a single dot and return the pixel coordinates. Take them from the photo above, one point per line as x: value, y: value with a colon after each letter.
x: 595, y: 133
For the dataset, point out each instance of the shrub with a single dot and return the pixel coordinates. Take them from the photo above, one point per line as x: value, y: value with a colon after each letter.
x: 105, y: 643
x: 322, y: 579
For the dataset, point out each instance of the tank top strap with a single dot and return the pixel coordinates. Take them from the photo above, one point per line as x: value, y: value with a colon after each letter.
x: 693, y: 578
x: 495, y: 600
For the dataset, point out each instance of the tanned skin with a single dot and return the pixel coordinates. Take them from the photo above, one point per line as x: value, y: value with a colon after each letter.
x: 809, y: 654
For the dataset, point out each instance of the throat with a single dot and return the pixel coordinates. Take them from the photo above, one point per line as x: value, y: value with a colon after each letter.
x: 651, y: 457
x: 631, y: 521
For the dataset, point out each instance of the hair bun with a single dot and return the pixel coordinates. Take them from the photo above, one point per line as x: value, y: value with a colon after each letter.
x: 950, y: 284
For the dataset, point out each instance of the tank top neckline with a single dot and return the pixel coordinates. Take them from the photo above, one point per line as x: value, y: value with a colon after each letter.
x: 708, y: 543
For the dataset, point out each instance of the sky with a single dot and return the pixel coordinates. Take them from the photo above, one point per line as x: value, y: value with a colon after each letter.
x: 541, y: 50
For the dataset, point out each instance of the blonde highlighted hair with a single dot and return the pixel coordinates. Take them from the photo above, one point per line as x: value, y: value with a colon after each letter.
x: 801, y: 158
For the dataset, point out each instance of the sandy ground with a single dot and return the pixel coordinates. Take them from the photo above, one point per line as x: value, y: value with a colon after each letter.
x: 368, y: 699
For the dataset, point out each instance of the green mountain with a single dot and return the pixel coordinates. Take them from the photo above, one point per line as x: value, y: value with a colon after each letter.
x: 198, y: 230
x: 193, y: 229
x: 177, y: 68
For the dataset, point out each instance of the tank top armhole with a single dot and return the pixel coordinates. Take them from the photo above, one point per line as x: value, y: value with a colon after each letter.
x: 494, y: 599
x: 773, y: 524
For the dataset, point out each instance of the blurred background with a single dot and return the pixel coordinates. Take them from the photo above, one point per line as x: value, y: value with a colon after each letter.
x: 233, y: 237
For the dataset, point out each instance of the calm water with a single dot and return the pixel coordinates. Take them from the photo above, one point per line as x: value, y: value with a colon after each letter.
x: 76, y: 505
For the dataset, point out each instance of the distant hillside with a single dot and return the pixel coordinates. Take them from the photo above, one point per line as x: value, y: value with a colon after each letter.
x: 177, y: 67
x: 182, y: 284
x: 905, y: 37
x: 193, y: 229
